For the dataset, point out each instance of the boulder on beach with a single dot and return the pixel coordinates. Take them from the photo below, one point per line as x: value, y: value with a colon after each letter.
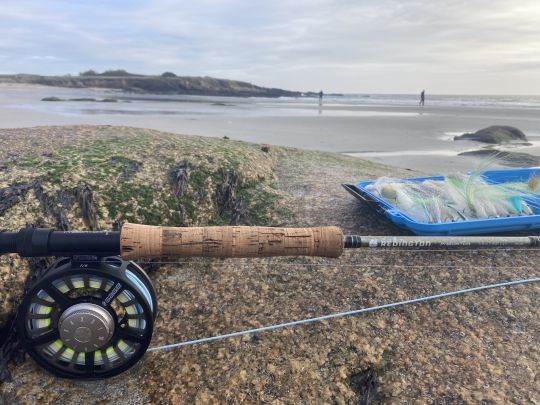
x: 494, y: 134
x: 83, y: 99
x: 93, y: 177
x: 51, y: 99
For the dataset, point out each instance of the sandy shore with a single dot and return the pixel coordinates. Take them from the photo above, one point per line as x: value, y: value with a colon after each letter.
x: 405, y: 136
x: 476, y: 348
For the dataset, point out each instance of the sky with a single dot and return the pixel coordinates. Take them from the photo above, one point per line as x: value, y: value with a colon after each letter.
x: 349, y: 46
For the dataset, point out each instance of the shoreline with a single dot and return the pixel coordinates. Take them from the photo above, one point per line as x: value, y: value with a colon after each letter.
x: 406, y: 136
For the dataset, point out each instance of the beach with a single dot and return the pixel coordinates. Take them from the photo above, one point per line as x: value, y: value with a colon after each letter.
x: 387, y: 129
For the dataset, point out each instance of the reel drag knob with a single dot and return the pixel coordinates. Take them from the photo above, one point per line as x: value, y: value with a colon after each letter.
x: 86, y: 327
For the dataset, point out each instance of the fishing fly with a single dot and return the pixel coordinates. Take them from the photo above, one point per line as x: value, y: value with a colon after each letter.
x: 92, y: 313
x: 457, y: 197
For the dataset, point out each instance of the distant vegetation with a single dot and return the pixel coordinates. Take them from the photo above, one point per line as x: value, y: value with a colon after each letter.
x: 110, y: 73
x: 166, y: 83
x: 89, y: 73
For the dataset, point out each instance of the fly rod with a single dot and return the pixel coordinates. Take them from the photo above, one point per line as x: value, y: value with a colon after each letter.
x: 144, y: 241
x: 91, y: 314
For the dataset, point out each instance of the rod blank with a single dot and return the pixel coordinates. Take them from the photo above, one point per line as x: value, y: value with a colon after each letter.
x: 355, y: 241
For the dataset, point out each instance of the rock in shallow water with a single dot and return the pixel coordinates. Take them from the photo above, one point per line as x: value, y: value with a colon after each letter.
x: 494, y: 134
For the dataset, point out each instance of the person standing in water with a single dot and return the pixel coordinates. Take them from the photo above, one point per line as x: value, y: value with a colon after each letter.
x: 422, y: 98
x: 320, y: 98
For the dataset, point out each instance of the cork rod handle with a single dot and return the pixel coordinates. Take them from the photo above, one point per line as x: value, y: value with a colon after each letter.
x: 145, y: 241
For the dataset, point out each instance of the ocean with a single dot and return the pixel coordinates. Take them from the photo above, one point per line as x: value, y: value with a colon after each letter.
x: 386, y: 128
x: 439, y: 100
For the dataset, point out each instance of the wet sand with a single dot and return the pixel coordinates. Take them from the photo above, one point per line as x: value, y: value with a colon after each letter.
x: 404, y: 136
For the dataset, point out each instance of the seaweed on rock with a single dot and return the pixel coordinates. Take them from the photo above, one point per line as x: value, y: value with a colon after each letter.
x: 55, y: 207
x: 365, y: 384
x: 178, y: 178
x: 11, y: 195
x: 88, y: 209
x: 10, y: 344
x: 228, y: 202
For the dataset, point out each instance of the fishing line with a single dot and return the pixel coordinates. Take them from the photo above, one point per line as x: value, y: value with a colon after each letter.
x: 383, y: 252
x: 342, y: 314
x: 374, y: 252
x: 362, y: 265
x: 401, y: 249
x: 337, y: 265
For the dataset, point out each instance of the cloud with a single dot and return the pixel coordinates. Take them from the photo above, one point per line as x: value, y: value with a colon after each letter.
x: 44, y: 57
x: 347, y: 46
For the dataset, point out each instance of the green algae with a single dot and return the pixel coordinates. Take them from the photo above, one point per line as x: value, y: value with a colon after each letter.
x: 127, y: 170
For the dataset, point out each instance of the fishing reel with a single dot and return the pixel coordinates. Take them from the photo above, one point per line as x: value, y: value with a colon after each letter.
x: 88, y: 317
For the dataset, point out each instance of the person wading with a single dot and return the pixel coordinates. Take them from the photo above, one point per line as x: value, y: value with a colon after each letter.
x: 422, y: 98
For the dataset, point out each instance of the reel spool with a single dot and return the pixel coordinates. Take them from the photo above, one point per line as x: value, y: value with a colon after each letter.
x: 88, y: 317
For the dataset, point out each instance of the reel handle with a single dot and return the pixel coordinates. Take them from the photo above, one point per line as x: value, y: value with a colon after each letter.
x: 145, y: 241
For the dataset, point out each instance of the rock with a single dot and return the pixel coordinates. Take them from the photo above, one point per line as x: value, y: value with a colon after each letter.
x: 265, y: 148
x: 83, y: 99
x: 494, y: 134
x: 409, y: 354
x: 51, y: 99
x: 512, y: 159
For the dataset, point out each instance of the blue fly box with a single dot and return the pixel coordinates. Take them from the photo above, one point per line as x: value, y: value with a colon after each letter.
x: 464, y: 227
